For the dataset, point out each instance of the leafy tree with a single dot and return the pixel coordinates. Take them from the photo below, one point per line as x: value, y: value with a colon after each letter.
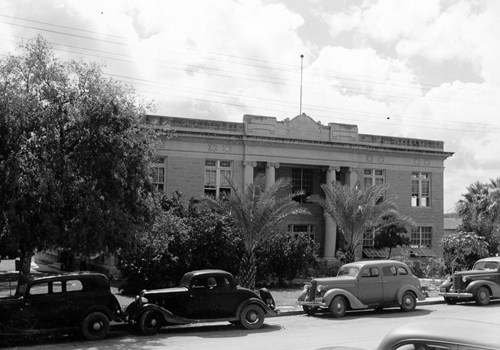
x: 462, y: 249
x: 150, y: 260
x: 74, y: 155
x: 391, y: 235
x: 480, y: 212
x: 281, y: 257
x: 356, y: 210
x: 256, y: 212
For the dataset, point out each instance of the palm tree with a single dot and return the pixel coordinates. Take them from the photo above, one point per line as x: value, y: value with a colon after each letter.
x: 356, y: 210
x: 256, y: 212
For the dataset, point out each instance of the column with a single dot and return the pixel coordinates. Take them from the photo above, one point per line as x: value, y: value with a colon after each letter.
x: 248, y: 167
x: 330, y: 225
x: 271, y: 173
x: 353, y: 177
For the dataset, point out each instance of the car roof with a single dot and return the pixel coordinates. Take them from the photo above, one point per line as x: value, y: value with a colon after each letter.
x: 375, y: 262
x: 452, y: 331
x: 491, y: 258
x: 69, y: 275
x: 207, y: 272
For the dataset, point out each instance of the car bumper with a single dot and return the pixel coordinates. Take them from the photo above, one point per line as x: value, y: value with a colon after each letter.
x: 456, y: 295
x: 312, y: 303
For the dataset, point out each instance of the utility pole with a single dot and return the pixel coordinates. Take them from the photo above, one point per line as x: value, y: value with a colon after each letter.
x: 301, y: 68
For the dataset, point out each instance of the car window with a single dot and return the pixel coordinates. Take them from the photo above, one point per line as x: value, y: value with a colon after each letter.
x: 74, y: 286
x: 491, y: 265
x: 198, y: 282
x: 348, y: 271
x: 389, y: 271
x: 223, y: 283
x: 57, y: 287
x: 402, y: 270
x: 211, y: 282
x: 370, y: 272
x: 425, y: 346
x: 39, y: 289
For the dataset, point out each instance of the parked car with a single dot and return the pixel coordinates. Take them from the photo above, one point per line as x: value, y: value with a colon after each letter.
x: 363, y: 285
x: 440, y: 334
x: 64, y: 303
x: 481, y: 284
x: 202, y: 296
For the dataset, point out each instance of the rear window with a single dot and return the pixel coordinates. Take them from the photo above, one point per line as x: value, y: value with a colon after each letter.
x: 74, y: 286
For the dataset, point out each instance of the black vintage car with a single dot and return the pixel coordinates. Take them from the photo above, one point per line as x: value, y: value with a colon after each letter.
x: 203, y: 296
x: 66, y: 303
x: 481, y: 284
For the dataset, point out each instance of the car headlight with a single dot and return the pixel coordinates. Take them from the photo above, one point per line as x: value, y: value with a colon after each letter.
x: 464, y: 279
x: 141, y: 300
x: 320, y: 289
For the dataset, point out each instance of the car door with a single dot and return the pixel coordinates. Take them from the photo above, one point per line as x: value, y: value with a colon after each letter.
x: 39, y: 309
x: 370, y: 285
x: 390, y: 284
x: 197, y: 304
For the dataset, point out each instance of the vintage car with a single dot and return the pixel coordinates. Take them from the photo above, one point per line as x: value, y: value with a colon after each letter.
x: 481, y: 284
x: 363, y: 285
x: 202, y: 296
x: 439, y: 334
x: 64, y: 303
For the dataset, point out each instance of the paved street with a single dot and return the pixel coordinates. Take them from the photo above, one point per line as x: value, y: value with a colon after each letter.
x: 359, y: 329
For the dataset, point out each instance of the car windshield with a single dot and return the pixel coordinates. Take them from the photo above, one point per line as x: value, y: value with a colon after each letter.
x: 351, y: 271
x: 486, y: 265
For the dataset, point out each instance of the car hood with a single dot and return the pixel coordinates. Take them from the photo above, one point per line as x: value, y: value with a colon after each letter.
x: 475, y: 272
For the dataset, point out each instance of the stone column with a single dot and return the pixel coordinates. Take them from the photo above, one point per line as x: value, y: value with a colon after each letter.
x: 353, y: 177
x: 330, y: 225
x: 248, y: 167
x: 271, y: 172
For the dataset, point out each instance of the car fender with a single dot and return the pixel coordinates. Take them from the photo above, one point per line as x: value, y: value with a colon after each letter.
x: 408, y: 287
x: 354, y: 302
x: 492, y: 286
x: 267, y: 310
x: 100, y: 308
x: 168, y: 316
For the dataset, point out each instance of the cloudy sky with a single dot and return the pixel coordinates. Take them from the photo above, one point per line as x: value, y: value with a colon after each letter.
x: 412, y: 68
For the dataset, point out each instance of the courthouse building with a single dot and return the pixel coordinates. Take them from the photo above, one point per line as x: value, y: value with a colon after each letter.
x: 202, y: 154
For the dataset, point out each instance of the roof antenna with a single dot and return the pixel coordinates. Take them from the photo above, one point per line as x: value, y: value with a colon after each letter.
x: 301, y: 68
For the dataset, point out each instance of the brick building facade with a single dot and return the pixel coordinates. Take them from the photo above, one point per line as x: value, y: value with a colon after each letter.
x: 203, y: 153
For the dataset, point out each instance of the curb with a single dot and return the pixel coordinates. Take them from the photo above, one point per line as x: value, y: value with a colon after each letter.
x: 294, y: 311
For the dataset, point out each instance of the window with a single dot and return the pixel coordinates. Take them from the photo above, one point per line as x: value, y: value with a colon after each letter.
x: 402, y: 271
x: 369, y: 238
x: 218, y: 174
x: 420, y: 189
x: 370, y: 272
x: 302, y: 230
x: 74, y: 286
x: 389, y: 271
x: 302, y: 180
x: 158, y: 173
x: 421, y: 237
x: 373, y: 177
x: 39, y: 289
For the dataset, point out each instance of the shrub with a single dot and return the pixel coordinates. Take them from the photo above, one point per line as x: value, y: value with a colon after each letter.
x: 462, y: 249
x: 148, y: 262
x: 281, y: 258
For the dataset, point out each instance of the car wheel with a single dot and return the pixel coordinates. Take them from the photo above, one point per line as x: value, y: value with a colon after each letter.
x: 252, y: 317
x: 95, y: 326
x: 150, y: 322
x: 408, y: 302
x: 483, y: 296
x: 310, y: 311
x: 338, y: 306
x: 450, y: 301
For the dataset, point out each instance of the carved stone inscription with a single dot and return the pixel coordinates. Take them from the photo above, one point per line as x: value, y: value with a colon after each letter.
x: 214, y: 148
